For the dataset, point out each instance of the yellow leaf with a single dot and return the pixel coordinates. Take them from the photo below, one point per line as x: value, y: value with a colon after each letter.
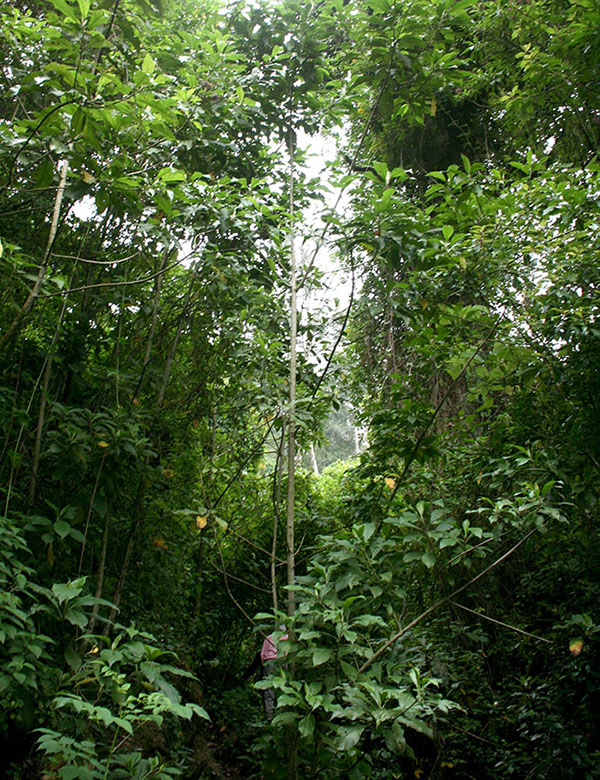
x: 391, y: 483
x: 576, y: 646
x: 93, y: 651
x: 201, y: 521
x: 433, y: 106
x: 86, y: 680
x: 168, y: 473
x: 102, y: 443
x: 88, y: 178
x: 158, y: 541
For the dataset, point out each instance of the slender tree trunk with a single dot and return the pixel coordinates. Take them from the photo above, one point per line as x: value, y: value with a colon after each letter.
x: 292, y: 742
x: 276, y: 502
x: 116, y: 599
x: 172, y: 351
x: 291, y: 425
x: 89, y: 514
x: 35, y: 290
x: 101, y: 569
x: 43, y: 399
x: 313, y: 460
x: 150, y: 341
x: 356, y: 441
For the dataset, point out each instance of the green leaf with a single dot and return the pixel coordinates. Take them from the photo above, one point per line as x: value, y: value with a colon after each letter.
x: 148, y: 64
x: 72, y: 658
x: 77, y: 773
x: 428, y: 559
x: 65, y: 9
x: 306, y: 726
x: 78, y: 121
x: 68, y: 590
x: 381, y: 169
x: 169, y: 174
x: 368, y: 531
x: 62, y: 528
x: 76, y: 617
x: 320, y: 656
x: 100, y: 504
x: 348, y: 737
x: 84, y: 8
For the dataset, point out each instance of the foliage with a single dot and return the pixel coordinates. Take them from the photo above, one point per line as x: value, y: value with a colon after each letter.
x: 112, y: 694
x: 446, y: 578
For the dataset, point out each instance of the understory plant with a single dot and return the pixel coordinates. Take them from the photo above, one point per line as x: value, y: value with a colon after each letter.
x: 104, y: 705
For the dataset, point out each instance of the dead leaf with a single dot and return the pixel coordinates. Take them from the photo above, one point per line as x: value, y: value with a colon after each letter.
x: 201, y: 521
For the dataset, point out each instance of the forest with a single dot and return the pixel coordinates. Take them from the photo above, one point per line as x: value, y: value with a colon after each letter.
x: 300, y: 339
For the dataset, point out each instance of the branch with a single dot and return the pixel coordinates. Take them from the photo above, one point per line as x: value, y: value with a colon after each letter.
x: 499, y: 622
x: 96, y: 262
x: 337, y: 342
x: 439, y: 603
x: 252, y: 544
x: 226, y: 581
x: 115, y: 284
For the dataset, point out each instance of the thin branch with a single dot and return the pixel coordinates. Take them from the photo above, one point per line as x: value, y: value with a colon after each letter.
x: 500, y: 623
x: 252, y: 544
x: 337, y: 341
x: 30, y: 136
x: 97, y: 262
x: 115, y: 284
x: 226, y: 581
x: 238, y: 579
x: 439, y: 603
x: 470, y: 734
x: 468, y: 550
